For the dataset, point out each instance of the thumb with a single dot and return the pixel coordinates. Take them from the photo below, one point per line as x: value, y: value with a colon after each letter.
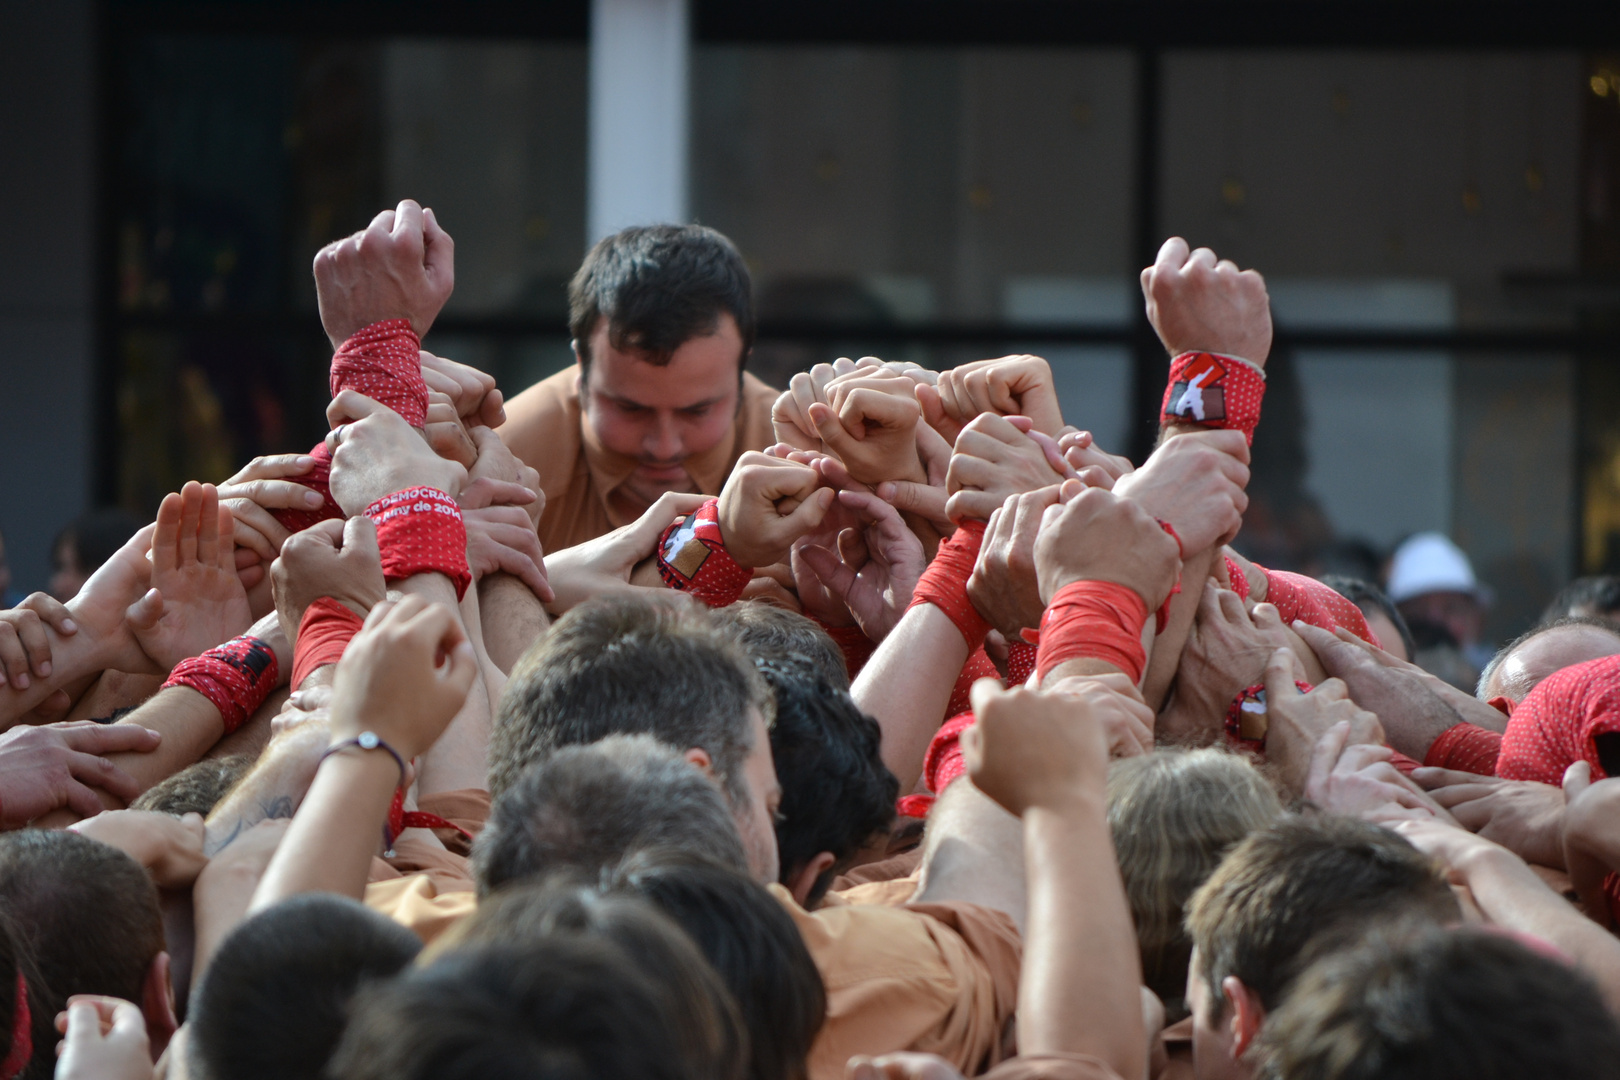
x: 360, y: 538
x: 144, y: 613
x: 1280, y: 676
x: 808, y: 514
x: 833, y: 434
x: 1577, y: 778
x: 439, y: 251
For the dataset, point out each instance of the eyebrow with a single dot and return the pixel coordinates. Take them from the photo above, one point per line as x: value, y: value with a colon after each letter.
x: 705, y: 403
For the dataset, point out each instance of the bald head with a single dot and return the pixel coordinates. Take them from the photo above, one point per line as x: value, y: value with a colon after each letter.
x: 1518, y: 668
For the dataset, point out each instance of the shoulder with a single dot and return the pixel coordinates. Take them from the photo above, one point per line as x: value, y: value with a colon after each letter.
x: 754, y: 413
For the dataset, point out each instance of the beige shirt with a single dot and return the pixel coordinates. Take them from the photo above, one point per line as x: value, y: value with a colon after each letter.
x: 546, y: 428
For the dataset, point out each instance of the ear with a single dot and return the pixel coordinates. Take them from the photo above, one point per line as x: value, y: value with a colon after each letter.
x: 157, y: 1004
x: 699, y: 758
x: 1246, y: 1014
x: 802, y: 882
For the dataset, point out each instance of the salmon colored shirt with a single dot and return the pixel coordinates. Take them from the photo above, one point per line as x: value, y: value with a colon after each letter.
x: 546, y: 428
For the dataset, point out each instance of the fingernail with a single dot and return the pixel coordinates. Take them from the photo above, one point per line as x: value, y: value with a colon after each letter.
x: 22, y: 682
x: 69, y: 626
x: 45, y: 670
x: 304, y: 460
x: 313, y: 499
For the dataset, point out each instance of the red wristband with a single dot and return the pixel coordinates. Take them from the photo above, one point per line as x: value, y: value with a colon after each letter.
x: 692, y: 558
x: 1098, y: 620
x: 1236, y: 578
x: 419, y: 530
x: 318, y: 480
x: 1215, y: 391
x: 236, y: 676
x: 944, y: 583
x: 1022, y: 660
x: 384, y: 362
x: 323, y: 633
x: 1246, y: 719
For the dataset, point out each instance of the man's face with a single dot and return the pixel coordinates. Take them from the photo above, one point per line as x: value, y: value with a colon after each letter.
x: 661, y: 415
x: 756, y: 816
x: 1213, y: 1055
x: 1388, y: 635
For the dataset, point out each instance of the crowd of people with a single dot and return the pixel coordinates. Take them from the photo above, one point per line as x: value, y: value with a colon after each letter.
x: 654, y: 723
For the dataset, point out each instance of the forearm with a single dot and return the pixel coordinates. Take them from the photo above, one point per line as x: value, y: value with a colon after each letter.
x: 1165, y: 655
x: 907, y: 684
x: 1511, y: 895
x: 272, y: 789
x: 75, y: 659
x: 1079, y: 989
x: 460, y: 758
x: 336, y: 832
x: 189, y: 724
x: 973, y: 851
x: 512, y: 618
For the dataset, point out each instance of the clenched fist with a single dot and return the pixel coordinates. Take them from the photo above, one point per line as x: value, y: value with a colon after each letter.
x: 767, y: 504
x: 401, y: 266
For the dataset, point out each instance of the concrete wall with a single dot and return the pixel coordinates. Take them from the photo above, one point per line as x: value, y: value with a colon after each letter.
x: 47, y: 108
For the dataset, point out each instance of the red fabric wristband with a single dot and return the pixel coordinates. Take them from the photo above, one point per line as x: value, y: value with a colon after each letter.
x: 1466, y: 748
x: 419, y: 530
x: 323, y: 633
x: 383, y: 361
x: 318, y: 480
x: 236, y: 676
x: 1215, y: 391
x: 1098, y: 620
x: 944, y: 583
x: 1236, y: 578
x: 1022, y: 659
x: 692, y: 558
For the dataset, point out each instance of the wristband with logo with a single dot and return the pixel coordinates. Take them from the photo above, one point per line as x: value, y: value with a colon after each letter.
x: 323, y: 633
x: 1215, y: 391
x: 419, y: 530
x: 383, y: 361
x: 1246, y: 718
x: 236, y: 676
x: 692, y: 558
x: 944, y: 583
x: 1095, y: 620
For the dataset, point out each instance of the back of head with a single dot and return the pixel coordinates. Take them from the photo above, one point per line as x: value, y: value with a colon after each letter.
x: 1173, y: 815
x: 274, y: 1000
x: 752, y: 943
x: 768, y: 632
x: 587, y: 807
x: 1364, y: 594
x: 1303, y: 880
x: 1587, y: 596
x: 837, y: 795
x: 659, y: 286
x: 1520, y: 665
x: 1447, y: 1005
x: 197, y: 788
x: 88, y: 912
x: 708, y: 1025
x: 569, y: 1007
x: 624, y: 665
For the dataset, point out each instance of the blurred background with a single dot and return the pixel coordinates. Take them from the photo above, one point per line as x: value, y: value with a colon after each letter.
x: 1432, y: 190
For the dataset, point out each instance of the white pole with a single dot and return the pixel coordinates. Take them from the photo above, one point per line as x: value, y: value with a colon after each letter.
x: 638, y: 114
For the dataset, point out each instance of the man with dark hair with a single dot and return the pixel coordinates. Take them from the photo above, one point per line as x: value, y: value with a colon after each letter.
x: 1285, y: 895
x: 275, y: 997
x: 587, y: 806
x: 769, y: 632
x: 663, y: 321
x: 1447, y: 1005
x: 90, y: 916
x: 837, y: 795
x: 625, y: 665
x: 1384, y: 619
x: 575, y: 1005
x: 751, y: 942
